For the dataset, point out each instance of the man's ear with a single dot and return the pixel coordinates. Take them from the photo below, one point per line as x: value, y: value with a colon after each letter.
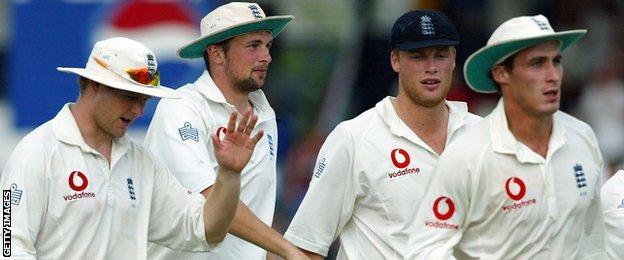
x: 216, y: 54
x: 500, y: 75
x: 394, y: 60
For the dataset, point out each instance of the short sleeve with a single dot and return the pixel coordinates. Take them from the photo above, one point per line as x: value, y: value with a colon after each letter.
x: 612, y: 197
x: 329, y: 202
x: 178, y: 137
x: 25, y: 189
x: 176, y: 216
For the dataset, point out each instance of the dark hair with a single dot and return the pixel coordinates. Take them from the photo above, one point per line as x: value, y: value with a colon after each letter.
x: 225, y: 45
x: 82, y: 84
x: 508, y: 64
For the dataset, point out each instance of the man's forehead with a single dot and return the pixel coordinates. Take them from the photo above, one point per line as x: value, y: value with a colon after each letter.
x: 431, y: 48
x: 254, y: 35
x: 549, y: 46
x: 127, y: 93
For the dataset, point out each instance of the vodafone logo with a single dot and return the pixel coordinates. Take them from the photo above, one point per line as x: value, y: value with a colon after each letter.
x: 443, y: 214
x: 516, y: 190
x: 221, y: 131
x: 401, y: 161
x: 77, y: 181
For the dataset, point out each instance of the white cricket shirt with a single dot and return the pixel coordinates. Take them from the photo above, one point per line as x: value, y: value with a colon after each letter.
x: 612, y: 195
x: 492, y: 197
x: 68, y: 202
x: 179, y: 135
x: 369, y: 179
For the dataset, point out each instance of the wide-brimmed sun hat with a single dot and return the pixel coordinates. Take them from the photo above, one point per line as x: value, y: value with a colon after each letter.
x: 124, y: 64
x: 231, y: 20
x: 509, y: 38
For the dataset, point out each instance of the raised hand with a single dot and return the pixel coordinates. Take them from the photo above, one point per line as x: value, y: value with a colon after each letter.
x: 234, y: 151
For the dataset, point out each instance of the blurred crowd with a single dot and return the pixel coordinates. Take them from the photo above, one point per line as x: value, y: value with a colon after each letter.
x: 333, y: 63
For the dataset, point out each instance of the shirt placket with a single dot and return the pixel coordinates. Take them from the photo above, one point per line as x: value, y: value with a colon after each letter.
x: 551, y: 195
x: 110, y: 189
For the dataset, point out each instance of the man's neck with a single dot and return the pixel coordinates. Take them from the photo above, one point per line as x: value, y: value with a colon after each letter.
x: 92, y: 135
x: 429, y: 123
x: 240, y: 100
x: 533, y: 131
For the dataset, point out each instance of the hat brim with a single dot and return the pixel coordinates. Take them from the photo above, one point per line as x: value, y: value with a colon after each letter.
x: 479, y: 64
x: 273, y: 24
x: 412, y: 45
x: 115, y: 81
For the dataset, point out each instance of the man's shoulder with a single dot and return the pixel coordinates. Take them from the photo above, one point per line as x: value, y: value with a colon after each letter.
x: 478, y: 127
x: 42, y: 136
x: 35, y: 146
x: 360, y: 124
x: 573, y: 124
x: 473, y: 118
x: 190, y: 101
x: 188, y: 93
x: 475, y: 138
x: 140, y: 154
x: 615, y: 184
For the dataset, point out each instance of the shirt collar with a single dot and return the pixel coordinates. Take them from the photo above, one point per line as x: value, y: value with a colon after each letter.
x: 66, y: 130
x: 210, y: 91
x: 458, y: 112
x: 504, y: 142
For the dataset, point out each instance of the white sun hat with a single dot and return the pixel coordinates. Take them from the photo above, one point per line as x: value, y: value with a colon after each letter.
x: 231, y: 20
x: 124, y: 64
x: 509, y: 38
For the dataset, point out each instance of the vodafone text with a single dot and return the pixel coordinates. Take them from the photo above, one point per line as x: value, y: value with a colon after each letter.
x: 79, y: 196
x: 519, y: 205
x: 442, y: 225
x: 404, y: 172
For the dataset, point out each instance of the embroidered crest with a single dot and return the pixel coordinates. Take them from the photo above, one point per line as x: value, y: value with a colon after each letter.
x: 543, y: 25
x: 131, y: 189
x: 426, y: 25
x: 151, y: 65
x: 255, y: 12
x: 271, y: 148
x: 188, y: 132
x: 580, y: 176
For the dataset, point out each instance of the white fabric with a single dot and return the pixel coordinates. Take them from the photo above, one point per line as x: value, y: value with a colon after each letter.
x: 358, y: 193
x: 203, y: 109
x: 555, y: 213
x: 613, y: 211
x: 107, y: 211
x: 232, y: 16
x: 111, y: 58
x: 521, y: 28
